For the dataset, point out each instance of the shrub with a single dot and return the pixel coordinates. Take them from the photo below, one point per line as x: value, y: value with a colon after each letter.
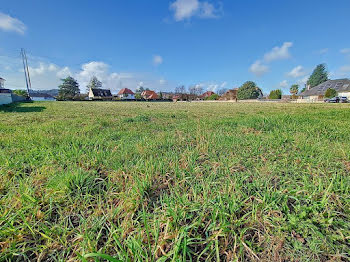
x: 212, y: 97
x: 330, y: 93
x: 275, y: 94
x: 20, y: 92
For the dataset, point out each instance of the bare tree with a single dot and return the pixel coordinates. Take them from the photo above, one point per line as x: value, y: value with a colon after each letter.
x: 192, y: 90
x: 196, y: 90
x: 222, y: 91
x: 180, y: 90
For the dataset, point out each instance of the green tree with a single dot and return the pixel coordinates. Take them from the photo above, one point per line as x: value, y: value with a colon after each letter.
x: 330, y: 93
x: 303, y: 90
x: 275, y: 94
x: 318, y: 76
x: 68, y: 89
x: 249, y: 90
x: 138, y: 96
x: 294, y: 89
x: 20, y: 92
x: 94, y: 84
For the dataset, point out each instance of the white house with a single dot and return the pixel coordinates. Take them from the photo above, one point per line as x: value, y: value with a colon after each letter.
x: 342, y: 86
x: 100, y: 94
x: 5, y: 94
x: 126, y: 94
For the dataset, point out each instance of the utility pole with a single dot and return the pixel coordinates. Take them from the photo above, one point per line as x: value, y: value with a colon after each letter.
x: 26, y: 70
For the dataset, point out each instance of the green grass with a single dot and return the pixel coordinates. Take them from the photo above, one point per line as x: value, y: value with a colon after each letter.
x: 104, y: 181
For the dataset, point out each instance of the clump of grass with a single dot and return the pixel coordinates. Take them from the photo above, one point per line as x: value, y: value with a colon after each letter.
x: 139, y: 118
x: 85, y: 184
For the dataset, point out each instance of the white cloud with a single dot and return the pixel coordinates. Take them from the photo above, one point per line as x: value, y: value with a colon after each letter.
x: 223, y: 84
x: 258, y: 68
x: 162, y: 81
x: 64, y: 72
x: 157, y: 60
x: 52, y: 68
x: 345, y: 69
x: 185, y: 9
x: 297, y: 72
x: 279, y: 53
x: 303, y: 80
x: 41, y: 69
x: 345, y: 51
x: 8, y: 23
x: 211, y: 86
x: 44, y: 68
x: 283, y: 84
x: 323, y: 51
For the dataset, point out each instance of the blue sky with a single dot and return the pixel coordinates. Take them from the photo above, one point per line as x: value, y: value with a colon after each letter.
x: 162, y: 44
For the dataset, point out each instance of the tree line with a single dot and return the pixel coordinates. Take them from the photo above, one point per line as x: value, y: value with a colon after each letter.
x: 69, y: 89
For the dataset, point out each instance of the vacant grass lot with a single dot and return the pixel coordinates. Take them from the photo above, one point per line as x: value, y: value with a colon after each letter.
x: 174, y: 181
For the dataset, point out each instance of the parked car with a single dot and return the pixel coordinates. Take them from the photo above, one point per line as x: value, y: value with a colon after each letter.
x: 343, y: 99
x: 334, y: 100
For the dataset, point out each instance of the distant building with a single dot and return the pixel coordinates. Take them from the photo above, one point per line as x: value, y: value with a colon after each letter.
x: 149, y: 95
x: 126, y: 94
x: 230, y: 95
x: 342, y: 86
x: 167, y: 95
x: 206, y: 94
x: 2, y: 83
x: 100, y: 94
x: 41, y: 97
x: 5, y: 96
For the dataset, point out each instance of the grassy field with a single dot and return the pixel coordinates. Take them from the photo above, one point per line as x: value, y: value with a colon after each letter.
x: 174, y: 182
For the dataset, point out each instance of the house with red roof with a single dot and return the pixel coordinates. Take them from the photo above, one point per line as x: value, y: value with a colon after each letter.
x: 149, y: 95
x: 206, y: 94
x: 126, y: 94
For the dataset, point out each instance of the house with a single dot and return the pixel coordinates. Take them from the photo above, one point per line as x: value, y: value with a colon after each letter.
x: 206, y: 94
x: 149, y: 95
x: 230, y: 95
x: 176, y: 98
x: 2, y: 83
x: 342, y: 86
x: 5, y: 96
x: 126, y: 94
x: 100, y: 94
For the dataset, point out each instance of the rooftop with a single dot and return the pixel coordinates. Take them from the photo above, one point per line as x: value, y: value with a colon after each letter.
x: 125, y: 91
x: 101, y: 92
x: 339, y: 85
